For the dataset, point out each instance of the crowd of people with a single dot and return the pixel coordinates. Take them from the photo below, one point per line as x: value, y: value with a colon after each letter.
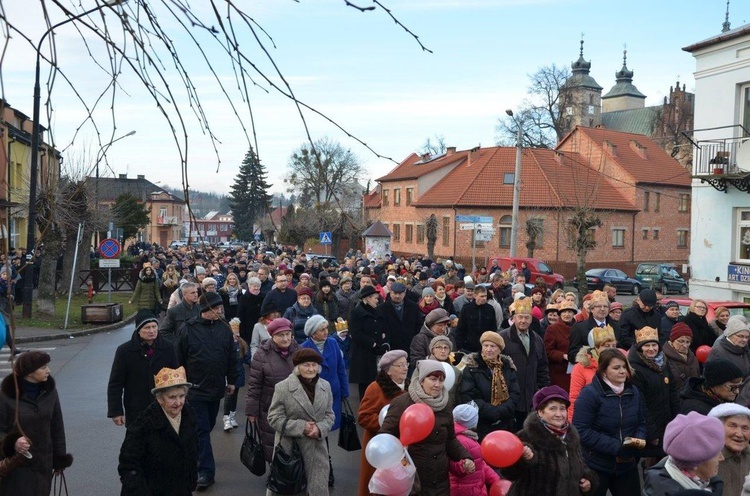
x: 604, y: 398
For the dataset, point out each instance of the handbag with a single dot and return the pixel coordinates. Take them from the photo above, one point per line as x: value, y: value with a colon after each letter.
x: 287, y: 475
x: 59, y: 484
x: 251, y: 452
x: 348, y: 436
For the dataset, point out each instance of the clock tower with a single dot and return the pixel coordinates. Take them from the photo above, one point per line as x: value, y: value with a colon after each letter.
x: 581, y: 97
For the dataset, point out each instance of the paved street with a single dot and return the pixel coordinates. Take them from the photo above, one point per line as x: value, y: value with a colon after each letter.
x: 81, y: 368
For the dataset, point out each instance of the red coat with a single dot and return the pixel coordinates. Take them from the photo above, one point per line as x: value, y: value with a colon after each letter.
x: 556, y: 343
x: 477, y: 483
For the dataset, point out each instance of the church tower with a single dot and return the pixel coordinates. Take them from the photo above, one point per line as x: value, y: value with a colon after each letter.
x: 581, y: 96
x: 623, y: 95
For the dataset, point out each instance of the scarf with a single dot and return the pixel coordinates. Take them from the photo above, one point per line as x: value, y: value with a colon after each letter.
x: 560, y: 432
x: 499, y: 387
x: 711, y: 394
x: 174, y: 422
x: 656, y: 364
x: 309, y: 386
x: 616, y: 389
x: 32, y: 389
x: 419, y: 396
x: 233, y: 292
x: 148, y: 350
x: 686, y: 481
x: 320, y: 345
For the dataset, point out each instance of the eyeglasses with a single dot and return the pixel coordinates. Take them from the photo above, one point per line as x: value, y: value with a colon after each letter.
x: 733, y: 387
x: 700, y: 307
x: 444, y: 348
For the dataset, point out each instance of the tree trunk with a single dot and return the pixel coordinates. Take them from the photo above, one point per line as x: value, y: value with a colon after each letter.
x: 47, y: 272
x: 581, y: 274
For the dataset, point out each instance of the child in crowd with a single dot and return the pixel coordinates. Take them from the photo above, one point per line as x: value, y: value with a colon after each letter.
x: 466, y: 417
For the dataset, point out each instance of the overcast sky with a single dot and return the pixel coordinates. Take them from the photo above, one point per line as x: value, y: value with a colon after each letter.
x: 361, y: 70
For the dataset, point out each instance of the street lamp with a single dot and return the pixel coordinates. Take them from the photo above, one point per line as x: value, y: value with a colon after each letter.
x: 516, y: 185
x: 28, y: 287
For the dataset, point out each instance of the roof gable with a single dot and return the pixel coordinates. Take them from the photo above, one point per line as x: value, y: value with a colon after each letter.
x: 414, y: 167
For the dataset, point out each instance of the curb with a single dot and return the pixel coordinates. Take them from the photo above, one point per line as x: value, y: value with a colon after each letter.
x: 75, y: 334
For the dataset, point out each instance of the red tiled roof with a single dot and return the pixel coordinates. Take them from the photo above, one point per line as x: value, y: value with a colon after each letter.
x: 412, y: 167
x: 549, y: 180
x: 372, y: 199
x: 657, y: 168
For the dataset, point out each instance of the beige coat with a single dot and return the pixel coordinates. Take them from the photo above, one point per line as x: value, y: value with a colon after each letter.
x: 291, y: 402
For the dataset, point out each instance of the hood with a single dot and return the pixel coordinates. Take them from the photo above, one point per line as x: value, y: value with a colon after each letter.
x: 585, y: 358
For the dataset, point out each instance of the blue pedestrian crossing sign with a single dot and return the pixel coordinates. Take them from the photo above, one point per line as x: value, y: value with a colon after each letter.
x: 326, y: 238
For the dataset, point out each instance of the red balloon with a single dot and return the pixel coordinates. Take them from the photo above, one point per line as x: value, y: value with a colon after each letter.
x: 501, y: 449
x: 416, y: 423
x: 702, y: 353
x: 500, y: 488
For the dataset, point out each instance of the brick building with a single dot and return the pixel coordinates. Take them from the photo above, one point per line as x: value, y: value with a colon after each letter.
x: 641, y: 194
x: 213, y: 228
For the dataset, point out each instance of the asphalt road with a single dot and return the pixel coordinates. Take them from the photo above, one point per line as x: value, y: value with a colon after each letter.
x: 81, y: 369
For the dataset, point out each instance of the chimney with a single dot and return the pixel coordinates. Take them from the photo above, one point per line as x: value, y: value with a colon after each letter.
x: 426, y: 157
x: 140, y: 176
x: 122, y: 176
x: 450, y: 150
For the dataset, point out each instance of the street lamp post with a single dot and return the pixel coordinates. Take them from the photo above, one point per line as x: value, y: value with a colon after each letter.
x: 28, y: 287
x: 516, y: 186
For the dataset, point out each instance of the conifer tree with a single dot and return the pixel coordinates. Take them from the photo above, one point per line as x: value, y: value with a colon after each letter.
x: 249, y: 196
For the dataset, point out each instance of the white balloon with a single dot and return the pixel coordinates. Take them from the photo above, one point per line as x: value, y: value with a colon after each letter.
x: 382, y: 414
x: 450, y: 375
x: 384, y: 451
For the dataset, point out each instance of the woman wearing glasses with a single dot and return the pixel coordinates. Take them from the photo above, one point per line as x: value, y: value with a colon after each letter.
x: 696, y: 320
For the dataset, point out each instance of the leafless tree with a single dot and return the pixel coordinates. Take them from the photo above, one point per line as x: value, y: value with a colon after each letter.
x: 433, y: 146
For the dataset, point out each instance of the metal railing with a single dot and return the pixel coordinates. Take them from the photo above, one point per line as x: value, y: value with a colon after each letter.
x: 725, y: 155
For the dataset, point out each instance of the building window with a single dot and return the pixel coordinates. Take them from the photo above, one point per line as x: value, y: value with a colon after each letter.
x: 645, y: 232
x: 506, y: 225
x: 396, y: 197
x: 745, y: 109
x: 509, y: 178
x: 656, y: 233
x: 684, y: 203
x: 657, y: 200
x: 743, y: 236
x: 446, y: 231
x: 618, y: 238
x: 409, y: 195
x: 396, y: 232
x: 385, y: 197
x: 646, y: 198
x: 682, y: 238
x: 535, y: 229
x: 409, y: 232
x: 421, y: 230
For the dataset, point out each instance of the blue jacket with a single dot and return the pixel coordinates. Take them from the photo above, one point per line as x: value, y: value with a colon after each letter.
x: 604, y: 420
x: 344, y: 345
x: 334, y: 372
x: 298, y: 316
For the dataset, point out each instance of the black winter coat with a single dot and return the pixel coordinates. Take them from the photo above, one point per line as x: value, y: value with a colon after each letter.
x: 249, y: 313
x: 579, y: 335
x: 557, y: 466
x: 133, y: 372
x: 660, y: 397
x: 473, y: 321
x: 532, y: 369
x: 634, y: 319
x: 42, y: 423
x: 658, y: 482
x: 694, y: 399
x: 176, y: 316
x: 155, y: 460
x: 400, y: 331
x: 368, y: 331
x: 206, y: 349
x: 476, y: 384
x: 702, y: 332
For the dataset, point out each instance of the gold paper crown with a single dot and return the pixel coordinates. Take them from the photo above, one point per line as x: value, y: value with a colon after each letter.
x: 523, y: 306
x: 599, y: 296
x: 341, y: 325
x: 567, y: 305
x: 167, y: 378
x: 603, y: 335
x: 646, y: 334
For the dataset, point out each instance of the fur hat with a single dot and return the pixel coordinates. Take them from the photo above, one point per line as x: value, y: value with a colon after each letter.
x: 313, y: 323
x: 303, y: 355
x: 436, y: 316
x: 429, y: 367
x: 693, y: 439
x: 167, y: 378
x: 549, y: 393
x: 278, y: 325
x: 267, y: 308
x: 29, y: 361
x: 305, y: 291
x: 735, y: 325
x: 324, y: 282
x: 718, y: 371
x: 493, y: 337
x: 389, y: 357
x: 143, y: 317
x: 210, y: 300
x: 679, y: 330
x: 729, y: 410
x: 367, y: 291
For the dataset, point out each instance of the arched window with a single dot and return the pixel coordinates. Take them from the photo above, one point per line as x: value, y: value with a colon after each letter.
x: 505, y: 224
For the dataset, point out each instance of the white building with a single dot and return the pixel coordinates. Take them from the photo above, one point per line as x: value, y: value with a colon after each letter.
x: 720, y: 225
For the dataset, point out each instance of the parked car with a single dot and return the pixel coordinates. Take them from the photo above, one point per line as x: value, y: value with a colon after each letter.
x: 595, y: 278
x: 734, y: 307
x: 662, y: 276
x: 323, y: 258
x: 177, y: 244
x: 537, y: 267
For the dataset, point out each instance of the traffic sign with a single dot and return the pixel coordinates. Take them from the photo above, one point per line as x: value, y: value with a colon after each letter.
x: 483, y: 236
x: 326, y: 238
x: 106, y: 263
x: 475, y: 219
x: 109, y: 248
x: 480, y: 226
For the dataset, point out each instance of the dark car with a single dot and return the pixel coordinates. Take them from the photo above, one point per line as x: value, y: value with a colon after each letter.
x: 662, y: 276
x: 596, y: 278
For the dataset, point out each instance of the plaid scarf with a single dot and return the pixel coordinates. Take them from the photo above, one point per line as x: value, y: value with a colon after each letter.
x: 499, y: 387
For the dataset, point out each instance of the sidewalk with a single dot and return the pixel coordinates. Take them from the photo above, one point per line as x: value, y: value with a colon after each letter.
x: 26, y: 334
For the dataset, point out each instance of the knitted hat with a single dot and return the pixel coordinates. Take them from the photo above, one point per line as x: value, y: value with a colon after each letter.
x: 466, y: 415
x: 735, y: 325
x: 536, y: 312
x: 313, y: 323
x: 267, y: 308
x: 305, y: 291
x: 601, y: 335
x: 429, y: 367
x: 423, y: 276
x: 718, y: 371
x: 523, y: 306
x: 303, y: 355
x: 549, y: 393
x: 493, y: 337
x: 647, y: 297
x: 304, y: 275
x: 538, y: 291
x: 143, y: 317
x: 671, y: 304
x: 200, y: 270
x: 679, y: 330
x: 29, y: 361
x: 645, y: 335
x: 389, y: 357
x: 441, y: 339
x: 729, y: 410
x: 207, y: 281
x: 210, y: 300
x: 278, y: 325
x: 428, y: 291
x: 693, y: 439
x: 367, y: 291
x: 436, y: 316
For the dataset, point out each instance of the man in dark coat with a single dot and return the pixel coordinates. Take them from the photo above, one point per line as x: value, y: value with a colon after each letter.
x: 721, y: 383
x: 248, y: 312
x: 598, y: 317
x: 401, y: 318
x: 526, y: 349
x: 640, y: 315
x: 282, y: 295
x: 476, y: 318
x: 368, y: 332
x: 134, y: 367
x: 668, y: 320
x: 266, y: 282
x: 187, y: 309
x: 205, y: 348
